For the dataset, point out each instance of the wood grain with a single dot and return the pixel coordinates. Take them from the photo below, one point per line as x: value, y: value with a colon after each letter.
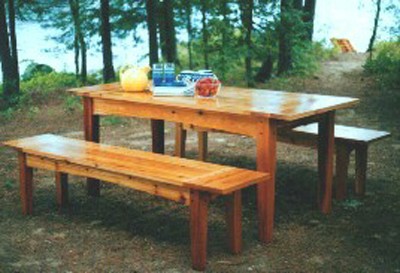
x: 266, y: 162
x: 91, y: 128
x: 342, y: 165
x: 203, y: 145
x: 26, y: 184
x: 180, y: 140
x: 198, y: 228
x: 326, y: 140
x: 234, y: 221
x: 233, y: 100
x: 61, y: 189
x: 158, y: 168
x: 361, y: 169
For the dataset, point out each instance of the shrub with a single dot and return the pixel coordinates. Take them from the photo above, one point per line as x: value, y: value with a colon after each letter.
x: 307, y: 57
x: 385, y: 64
x: 34, y: 69
x: 42, y: 87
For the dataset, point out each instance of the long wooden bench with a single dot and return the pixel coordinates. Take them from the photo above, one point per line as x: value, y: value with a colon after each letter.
x: 347, y: 139
x: 189, y: 182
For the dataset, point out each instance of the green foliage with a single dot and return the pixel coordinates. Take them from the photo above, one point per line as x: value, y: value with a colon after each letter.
x: 112, y: 120
x: 72, y: 103
x: 385, y: 64
x: 307, y: 57
x: 34, y: 68
x: 44, y: 86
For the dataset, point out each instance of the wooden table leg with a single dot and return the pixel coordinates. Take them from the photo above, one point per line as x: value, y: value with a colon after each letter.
x: 266, y: 162
x: 62, y: 189
x: 180, y: 140
x: 203, y: 145
x: 198, y: 228
x: 234, y: 221
x: 326, y: 131
x: 26, y: 184
x: 91, y: 126
x: 157, y: 132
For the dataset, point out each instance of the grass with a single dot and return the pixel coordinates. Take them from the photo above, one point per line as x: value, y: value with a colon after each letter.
x: 128, y: 231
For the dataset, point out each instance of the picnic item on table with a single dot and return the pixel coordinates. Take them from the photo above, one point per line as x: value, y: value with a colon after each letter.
x: 158, y: 73
x: 169, y: 72
x: 134, y: 78
x: 193, y: 76
x: 179, y: 89
x: 207, y: 87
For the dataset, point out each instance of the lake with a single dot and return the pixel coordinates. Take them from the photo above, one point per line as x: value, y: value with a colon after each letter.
x: 352, y: 19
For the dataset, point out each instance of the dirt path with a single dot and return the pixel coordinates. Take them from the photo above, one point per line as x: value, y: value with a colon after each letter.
x: 127, y: 231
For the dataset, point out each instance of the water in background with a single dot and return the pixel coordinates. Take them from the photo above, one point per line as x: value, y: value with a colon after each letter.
x: 339, y: 19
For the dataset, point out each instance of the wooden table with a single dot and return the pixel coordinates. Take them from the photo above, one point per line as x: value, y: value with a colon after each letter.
x: 251, y: 112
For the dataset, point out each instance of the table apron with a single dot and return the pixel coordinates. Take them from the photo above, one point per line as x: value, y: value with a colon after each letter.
x: 233, y: 123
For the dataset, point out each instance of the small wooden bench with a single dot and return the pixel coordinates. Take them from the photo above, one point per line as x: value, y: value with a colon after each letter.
x: 347, y: 139
x: 189, y: 182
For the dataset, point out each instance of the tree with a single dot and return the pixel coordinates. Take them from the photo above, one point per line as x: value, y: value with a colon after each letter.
x: 291, y: 32
x: 308, y: 18
x: 204, y: 30
x: 105, y: 31
x: 189, y: 29
x: 376, y: 20
x: 285, y: 47
x: 79, y: 40
x: 151, y: 6
x: 8, y: 53
x: 246, y: 7
x: 76, y: 19
x: 167, y: 31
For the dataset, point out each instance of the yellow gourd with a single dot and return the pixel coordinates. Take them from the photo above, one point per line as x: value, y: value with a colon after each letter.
x: 134, y: 79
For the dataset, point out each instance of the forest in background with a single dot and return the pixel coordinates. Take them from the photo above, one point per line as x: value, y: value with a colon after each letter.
x: 244, y: 41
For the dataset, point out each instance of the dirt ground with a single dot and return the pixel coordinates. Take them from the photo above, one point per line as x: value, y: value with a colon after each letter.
x: 128, y: 231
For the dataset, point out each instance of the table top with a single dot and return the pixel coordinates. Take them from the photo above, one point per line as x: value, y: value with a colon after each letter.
x: 278, y: 105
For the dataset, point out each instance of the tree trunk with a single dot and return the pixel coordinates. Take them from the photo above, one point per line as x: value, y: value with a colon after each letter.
x: 224, y: 37
x: 170, y: 39
x: 372, y: 40
x: 75, y: 19
x: 151, y: 8
x: 82, y: 44
x: 285, y: 47
x: 9, y: 82
x: 108, y: 69
x: 13, y: 41
x: 265, y: 71
x: 76, y: 55
x: 204, y: 31
x: 247, y: 22
x: 308, y: 18
x: 188, y: 11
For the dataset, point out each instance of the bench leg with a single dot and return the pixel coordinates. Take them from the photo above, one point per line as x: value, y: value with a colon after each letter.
x: 198, y: 229
x: 361, y: 169
x: 62, y: 189
x: 26, y: 184
x: 203, y: 145
x: 180, y: 140
x: 342, y: 166
x: 234, y: 221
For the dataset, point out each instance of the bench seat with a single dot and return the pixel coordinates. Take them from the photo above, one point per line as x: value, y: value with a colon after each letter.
x: 189, y: 182
x: 347, y: 139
